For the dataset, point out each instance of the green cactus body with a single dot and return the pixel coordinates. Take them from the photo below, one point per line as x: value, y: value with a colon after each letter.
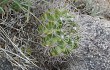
x: 58, y: 32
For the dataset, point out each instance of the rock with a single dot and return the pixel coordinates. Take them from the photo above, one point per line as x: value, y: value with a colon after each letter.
x: 94, y: 48
x: 94, y: 7
x: 5, y: 64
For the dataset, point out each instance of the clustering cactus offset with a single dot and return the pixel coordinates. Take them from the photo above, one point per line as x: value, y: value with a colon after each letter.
x: 58, y: 32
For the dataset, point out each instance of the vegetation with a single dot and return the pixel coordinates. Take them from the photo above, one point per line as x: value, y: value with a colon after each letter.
x: 21, y: 33
x: 7, y: 6
x: 58, y: 31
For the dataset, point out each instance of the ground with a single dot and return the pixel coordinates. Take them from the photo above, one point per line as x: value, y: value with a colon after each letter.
x: 93, y: 52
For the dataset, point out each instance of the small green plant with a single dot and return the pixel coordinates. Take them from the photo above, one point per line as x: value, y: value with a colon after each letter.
x: 58, y: 32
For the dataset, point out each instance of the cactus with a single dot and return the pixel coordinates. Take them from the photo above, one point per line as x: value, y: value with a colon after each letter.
x: 58, y: 32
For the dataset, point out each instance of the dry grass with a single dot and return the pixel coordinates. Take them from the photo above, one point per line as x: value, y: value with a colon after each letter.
x: 14, y: 34
x: 19, y: 40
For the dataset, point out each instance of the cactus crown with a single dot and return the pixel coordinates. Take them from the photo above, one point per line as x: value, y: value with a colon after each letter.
x: 58, y: 32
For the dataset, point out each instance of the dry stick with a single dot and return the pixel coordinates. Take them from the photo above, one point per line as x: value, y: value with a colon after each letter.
x: 16, y: 48
x: 12, y: 58
x: 12, y: 53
